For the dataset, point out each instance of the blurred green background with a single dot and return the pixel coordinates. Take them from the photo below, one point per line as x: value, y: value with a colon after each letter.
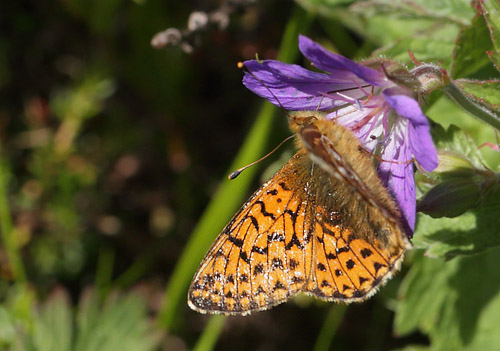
x: 111, y: 151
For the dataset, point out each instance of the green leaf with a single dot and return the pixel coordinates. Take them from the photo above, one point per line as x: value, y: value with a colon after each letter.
x: 472, y: 44
x: 16, y: 318
x: 483, y: 92
x: 7, y: 328
x: 491, y: 12
x: 120, y: 323
x: 446, y: 113
x: 325, y: 3
x: 425, y: 47
x: 456, y: 302
x: 384, y: 22
x: 422, y: 294
x: 495, y: 58
x: 444, y: 11
x: 53, y: 327
x: 474, y: 231
x: 88, y: 314
x: 457, y: 141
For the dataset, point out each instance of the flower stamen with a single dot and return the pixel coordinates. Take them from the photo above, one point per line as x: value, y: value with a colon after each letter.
x: 412, y: 160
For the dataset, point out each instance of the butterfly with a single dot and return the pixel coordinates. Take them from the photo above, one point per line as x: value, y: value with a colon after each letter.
x: 323, y: 225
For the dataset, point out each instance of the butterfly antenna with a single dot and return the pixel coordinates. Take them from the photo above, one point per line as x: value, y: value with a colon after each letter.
x: 238, y: 171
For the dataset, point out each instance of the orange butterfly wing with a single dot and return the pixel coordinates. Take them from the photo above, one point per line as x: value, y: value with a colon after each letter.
x: 297, y: 234
x: 263, y: 256
x: 358, y: 248
x: 347, y: 268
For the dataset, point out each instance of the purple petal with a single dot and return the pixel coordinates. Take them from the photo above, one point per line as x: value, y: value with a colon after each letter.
x: 331, y: 62
x: 423, y: 147
x: 398, y: 177
x: 294, y: 87
x: 419, y: 138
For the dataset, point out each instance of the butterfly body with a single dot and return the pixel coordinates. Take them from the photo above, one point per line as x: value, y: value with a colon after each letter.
x: 323, y: 225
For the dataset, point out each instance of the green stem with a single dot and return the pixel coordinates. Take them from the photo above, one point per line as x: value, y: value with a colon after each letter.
x: 474, y: 108
x: 210, y: 334
x: 141, y: 265
x: 104, y: 272
x: 230, y: 193
x: 8, y: 234
x: 327, y: 332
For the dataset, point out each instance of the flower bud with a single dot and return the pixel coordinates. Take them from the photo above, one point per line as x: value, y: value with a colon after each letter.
x: 450, y: 198
x: 461, y: 186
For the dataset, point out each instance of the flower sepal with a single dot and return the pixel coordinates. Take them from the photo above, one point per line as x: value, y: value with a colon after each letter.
x: 395, y: 72
x: 431, y: 77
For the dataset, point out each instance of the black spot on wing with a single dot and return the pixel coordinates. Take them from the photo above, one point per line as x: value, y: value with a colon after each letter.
x: 343, y: 249
x: 293, y: 263
x: 350, y: 264
x: 259, y: 268
x: 284, y: 186
x: 244, y: 257
x: 275, y: 237
x: 377, y: 266
x: 263, y: 209
x: 279, y: 286
x: 259, y: 250
x: 294, y: 242
x: 237, y: 242
x: 366, y: 253
x: 277, y: 263
x: 331, y: 256
x: 321, y: 267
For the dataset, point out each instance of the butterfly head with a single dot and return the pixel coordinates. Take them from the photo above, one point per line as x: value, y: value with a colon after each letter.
x: 297, y: 120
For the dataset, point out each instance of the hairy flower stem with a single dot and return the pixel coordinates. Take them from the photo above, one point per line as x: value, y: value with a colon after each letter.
x: 480, y: 111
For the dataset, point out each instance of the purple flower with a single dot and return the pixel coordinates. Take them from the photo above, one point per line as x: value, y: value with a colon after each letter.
x: 384, y: 115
